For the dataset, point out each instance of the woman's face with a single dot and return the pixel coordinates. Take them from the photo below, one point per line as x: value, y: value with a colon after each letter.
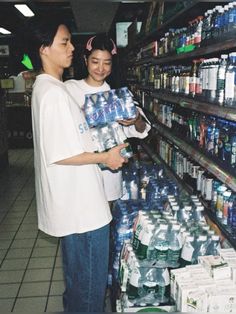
x: 99, y: 65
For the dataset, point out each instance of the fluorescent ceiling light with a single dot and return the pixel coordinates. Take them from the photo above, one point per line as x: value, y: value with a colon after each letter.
x: 4, y: 31
x: 24, y: 9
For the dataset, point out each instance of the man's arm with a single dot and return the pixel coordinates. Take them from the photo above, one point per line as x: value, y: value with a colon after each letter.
x: 111, y: 159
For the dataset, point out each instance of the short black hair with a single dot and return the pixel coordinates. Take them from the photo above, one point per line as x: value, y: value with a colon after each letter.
x: 40, y: 31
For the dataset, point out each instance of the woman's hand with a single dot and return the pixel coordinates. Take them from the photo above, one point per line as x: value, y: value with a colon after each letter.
x: 138, y: 122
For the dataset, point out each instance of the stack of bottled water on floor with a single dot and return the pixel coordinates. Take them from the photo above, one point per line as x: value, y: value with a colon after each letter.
x: 156, y: 228
x: 102, y: 111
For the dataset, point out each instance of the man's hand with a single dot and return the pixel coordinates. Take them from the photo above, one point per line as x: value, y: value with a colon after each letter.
x: 114, y: 160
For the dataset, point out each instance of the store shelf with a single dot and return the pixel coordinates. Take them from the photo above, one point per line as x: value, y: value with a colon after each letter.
x: 208, y: 212
x: 158, y: 160
x: 193, y: 104
x: 175, y: 19
x: 201, y: 159
x: 225, y: 44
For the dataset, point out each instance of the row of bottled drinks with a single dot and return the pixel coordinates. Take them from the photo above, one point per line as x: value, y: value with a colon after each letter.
x: 156, y: 227
x: 215, y: 136
x: 215, y: 24
x: 216, y: 194
x: 212, y: 80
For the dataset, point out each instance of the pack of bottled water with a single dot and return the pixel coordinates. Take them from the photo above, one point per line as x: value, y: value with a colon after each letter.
x: 102, y: 111
x: 105, y: 107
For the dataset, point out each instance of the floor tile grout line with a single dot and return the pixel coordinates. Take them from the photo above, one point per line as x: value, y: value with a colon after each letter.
x: 53, y: 268
x: 16, y: 231
x: 25, y: 270
x: 24, y: 184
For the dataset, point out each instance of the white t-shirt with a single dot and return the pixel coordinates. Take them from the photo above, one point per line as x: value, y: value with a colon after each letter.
x: 112, y: 180
x: 70, y: 199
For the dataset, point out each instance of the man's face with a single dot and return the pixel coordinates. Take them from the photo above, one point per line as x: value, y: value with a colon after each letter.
x: 59, y: 55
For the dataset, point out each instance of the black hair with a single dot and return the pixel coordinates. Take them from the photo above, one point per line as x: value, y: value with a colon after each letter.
x: 40, y: 31
x: 101, y: 42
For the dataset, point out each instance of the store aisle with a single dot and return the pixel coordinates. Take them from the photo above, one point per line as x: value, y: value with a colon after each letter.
x: 30, y: 268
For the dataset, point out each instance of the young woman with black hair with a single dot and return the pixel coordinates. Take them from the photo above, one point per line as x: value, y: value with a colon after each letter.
x: 98, y: 56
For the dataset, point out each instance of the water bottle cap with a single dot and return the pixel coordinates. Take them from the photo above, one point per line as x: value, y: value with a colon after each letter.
x: 188, y: 208
x: 200, y: 208
x: 215, y: 237
x: 224, y: 56
x: 175, y: 207
x: 176, y: 227
x: 163, y: 226
x: 227, y: 193
x: 202, y: 238
x: 189, y: 238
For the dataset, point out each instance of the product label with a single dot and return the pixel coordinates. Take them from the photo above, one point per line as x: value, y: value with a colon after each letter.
x: 187, y: 252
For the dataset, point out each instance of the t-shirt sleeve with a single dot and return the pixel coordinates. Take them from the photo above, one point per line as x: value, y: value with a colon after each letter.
x: 59, y: 137
x: 75, y: 92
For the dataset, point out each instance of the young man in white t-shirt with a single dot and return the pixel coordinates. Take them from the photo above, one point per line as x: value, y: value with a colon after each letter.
x: 70, y: 196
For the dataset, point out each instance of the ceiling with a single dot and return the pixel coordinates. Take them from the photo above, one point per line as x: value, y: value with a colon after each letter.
x: 84, y: 17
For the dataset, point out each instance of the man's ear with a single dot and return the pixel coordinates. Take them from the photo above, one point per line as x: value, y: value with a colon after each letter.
x: 43, y: 50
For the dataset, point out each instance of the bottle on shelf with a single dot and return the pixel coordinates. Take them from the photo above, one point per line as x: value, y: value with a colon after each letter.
x: 230, y: 81
x: 220, y: 86
x: 175, y: 246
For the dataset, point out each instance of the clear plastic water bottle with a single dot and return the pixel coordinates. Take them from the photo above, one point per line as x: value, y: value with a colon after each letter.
x: 163, y: 280
x: 133, y: 285
x: 220, y: 87
x: 107, y: 138
x: 130, y: 110
x: 230, y: 81
x: 198, y: 214
x: 213, y: 246
x: 90, y: 111
x: 161, y: 245
x: 145, y: 240
x: 121, y: 138
x: 99, y: 145
x: 116, y: 110
x: 101, y: 105
x: 187, y: 251
x: 175, y: 246
x: 148, y: 287
x: 200, y: 247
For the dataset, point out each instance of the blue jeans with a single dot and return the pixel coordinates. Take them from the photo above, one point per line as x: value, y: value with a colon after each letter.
x: 85, y: 264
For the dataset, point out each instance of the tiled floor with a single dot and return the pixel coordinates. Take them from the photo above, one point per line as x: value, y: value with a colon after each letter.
x: 31, y: 279
x: 30, y: 266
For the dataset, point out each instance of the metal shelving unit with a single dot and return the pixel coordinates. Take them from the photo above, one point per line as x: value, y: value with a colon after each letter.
x: 225, y: 44
x: 209, y: 213
x: 227, y: 113
x: 201, y: 159
x: 211, y: 48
